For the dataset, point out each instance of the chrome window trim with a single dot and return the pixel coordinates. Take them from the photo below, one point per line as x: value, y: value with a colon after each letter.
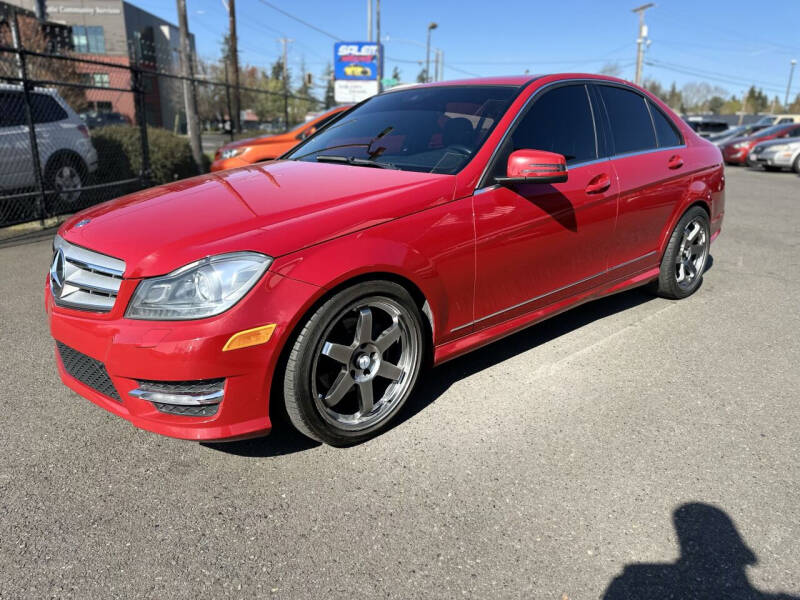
x: 555, y: 291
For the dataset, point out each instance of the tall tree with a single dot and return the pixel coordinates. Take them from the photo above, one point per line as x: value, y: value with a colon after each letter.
x: 330, y: 100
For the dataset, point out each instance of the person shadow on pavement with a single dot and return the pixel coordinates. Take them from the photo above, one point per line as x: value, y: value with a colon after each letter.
x: 711, y: 565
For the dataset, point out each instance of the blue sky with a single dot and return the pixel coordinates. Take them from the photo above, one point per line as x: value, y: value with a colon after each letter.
x: 731, y: 44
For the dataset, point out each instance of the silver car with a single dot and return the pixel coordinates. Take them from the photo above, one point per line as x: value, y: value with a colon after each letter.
x: 775, y: 155
x: 66, y: 153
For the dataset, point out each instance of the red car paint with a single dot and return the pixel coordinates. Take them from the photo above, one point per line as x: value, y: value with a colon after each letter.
x: 602, y: 231
x: 737, y: 150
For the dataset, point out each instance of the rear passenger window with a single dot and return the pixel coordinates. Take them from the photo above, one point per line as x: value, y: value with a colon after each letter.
x: 560, y: 121
x: 45, y: 109
x: 631, y: 127
x: 12, y: 109
x: 666, y: 132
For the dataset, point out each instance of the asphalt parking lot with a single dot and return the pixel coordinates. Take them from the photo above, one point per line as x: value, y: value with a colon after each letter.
x: 639, y: 434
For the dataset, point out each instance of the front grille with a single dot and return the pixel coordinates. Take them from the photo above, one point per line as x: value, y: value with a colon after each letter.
x: 87, y: 370
x: 84, y: 279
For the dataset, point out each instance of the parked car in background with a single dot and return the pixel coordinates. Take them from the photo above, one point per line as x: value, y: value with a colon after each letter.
x: 735, y: 152
x: 66, y: 153
x: 776, y: 155
x: 778, y: 119
x: 723, y: 138
x: 434, y: 220
x: 251, y: 150
x: 707, y: 126
x: 94, y: 120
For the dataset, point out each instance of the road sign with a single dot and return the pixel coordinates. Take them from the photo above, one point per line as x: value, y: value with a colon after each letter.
x: 389, y: 82
x: 350, y: 92
x: 355, y: 61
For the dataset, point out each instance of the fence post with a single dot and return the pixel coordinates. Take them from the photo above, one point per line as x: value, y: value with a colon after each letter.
x: 137, y: 87
x: 26, y: 93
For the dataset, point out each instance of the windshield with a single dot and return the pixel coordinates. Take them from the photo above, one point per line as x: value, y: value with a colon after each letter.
x: 770, y: 130
x: 430, y: 130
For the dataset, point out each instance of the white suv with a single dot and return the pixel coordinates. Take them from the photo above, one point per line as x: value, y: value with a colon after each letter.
x: 65, y: 150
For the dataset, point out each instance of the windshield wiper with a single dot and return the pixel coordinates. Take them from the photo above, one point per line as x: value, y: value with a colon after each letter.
x: 352, y: 160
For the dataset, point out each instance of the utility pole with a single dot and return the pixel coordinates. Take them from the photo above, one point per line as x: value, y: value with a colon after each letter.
x: 233, y: 50
x: 640, y: 41
x: 436, y: 64
x: 379, y: 53
x: 285, y: 42
x: 793, y: 62
x: 369, y: 21
x: 189, y: 90
x: 431, y: 27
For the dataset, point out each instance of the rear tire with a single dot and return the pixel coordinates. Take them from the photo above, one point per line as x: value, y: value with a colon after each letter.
x: 64, y: 174
x: 796, y: 165
x: 686, y: 256
x: 354, y: 363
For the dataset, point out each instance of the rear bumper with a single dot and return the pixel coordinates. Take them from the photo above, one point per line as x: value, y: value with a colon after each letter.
x: 178, y: 351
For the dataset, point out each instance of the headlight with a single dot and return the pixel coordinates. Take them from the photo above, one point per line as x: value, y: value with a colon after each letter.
x: 740, y: 145
x: 201, y: 289
x: 231, y: 152
x: 778, y: 148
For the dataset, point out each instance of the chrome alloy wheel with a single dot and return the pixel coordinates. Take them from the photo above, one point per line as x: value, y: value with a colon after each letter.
x: 65, y: 180
x: 364, y: 364
x: 692, y: 254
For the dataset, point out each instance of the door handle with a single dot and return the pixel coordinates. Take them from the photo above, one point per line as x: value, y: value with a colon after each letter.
x: 675, y: 162
x: 598, y: 184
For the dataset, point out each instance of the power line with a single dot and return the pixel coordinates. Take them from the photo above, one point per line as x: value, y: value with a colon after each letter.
x: 301, y: 21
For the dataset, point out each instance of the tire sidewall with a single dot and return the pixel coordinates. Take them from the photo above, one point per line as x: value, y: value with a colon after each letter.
x: 667, y: 282
x: 55, y: 163
x: 297, y: 377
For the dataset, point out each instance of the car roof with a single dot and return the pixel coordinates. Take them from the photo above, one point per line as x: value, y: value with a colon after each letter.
x: 517, y: 80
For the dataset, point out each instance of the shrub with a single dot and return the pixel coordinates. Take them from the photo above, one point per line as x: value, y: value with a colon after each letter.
x: 119, y: 154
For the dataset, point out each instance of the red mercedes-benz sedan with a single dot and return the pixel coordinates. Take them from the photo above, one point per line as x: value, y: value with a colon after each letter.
x: 737, y: 150
x: 424, y: 223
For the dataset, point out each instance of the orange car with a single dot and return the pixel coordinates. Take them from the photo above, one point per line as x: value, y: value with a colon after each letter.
x: 251, y: 150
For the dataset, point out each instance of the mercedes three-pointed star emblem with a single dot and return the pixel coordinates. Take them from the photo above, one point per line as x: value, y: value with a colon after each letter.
x: 57, y: 273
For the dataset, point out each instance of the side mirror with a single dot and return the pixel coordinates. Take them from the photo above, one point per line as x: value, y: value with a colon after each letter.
x: 534, y: 166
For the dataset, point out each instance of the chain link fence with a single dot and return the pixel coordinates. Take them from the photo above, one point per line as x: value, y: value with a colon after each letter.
x: 76, y: 131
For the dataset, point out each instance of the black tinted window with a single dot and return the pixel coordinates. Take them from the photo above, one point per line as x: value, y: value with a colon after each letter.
x: 12, y: 110
x: 631, y: 127
x: 45, y: 109
x: 666, y: 132
x: 560, y: 121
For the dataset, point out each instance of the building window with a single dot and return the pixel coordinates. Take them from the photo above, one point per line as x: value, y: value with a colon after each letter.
x: 100, y: 79
x: 89, y: 39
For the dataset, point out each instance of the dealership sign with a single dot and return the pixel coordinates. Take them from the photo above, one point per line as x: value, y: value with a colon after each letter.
x: 355, y: 70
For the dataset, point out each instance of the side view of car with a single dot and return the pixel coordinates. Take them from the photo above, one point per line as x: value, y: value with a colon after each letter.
x: 94, y: 120
x: 736, y: 151
x: 425, y: 223
x: 723, y: 138
x: 779, y: 119
x: 252, y: 150
x: 776, y: 155
x: 66, y: 153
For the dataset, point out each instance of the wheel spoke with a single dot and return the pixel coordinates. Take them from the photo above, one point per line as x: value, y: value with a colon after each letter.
x: 693, y: 233
x: 388, y: 337
x: 365, y: 395
x: 337, y: 352
x: 390, y: 371
x: 681, y: 271
x: 344, y: 382
x: 692, y: 270
x: 364, y: 326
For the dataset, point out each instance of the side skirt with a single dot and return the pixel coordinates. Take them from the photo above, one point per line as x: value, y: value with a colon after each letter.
x: 477, y: 339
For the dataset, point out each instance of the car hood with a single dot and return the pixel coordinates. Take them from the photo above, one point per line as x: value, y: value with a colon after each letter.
x: 275, y: 208
x: 259, y: 141
x: 794, y: 142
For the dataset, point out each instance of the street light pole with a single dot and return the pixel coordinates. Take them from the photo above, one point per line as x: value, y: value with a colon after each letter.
x: 431, y: 27
x: 640, y: 41
x: 789, y: 85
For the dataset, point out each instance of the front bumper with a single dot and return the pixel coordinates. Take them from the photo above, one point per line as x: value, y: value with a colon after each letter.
x: 737, y: 156
x: 771, y: 159
x: 133, y: 351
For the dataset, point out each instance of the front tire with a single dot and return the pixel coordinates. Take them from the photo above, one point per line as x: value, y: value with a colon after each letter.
x: 685, y: 258
x: 796, y: 165
x: 354, y: 363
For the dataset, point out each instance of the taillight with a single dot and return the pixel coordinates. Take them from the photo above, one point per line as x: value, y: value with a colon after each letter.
x: 84, y: 130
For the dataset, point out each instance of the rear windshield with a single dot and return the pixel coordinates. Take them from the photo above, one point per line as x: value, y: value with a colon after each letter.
x: 430, y: 130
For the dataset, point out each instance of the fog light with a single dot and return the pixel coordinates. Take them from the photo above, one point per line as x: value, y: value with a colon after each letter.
x: 249, y: 337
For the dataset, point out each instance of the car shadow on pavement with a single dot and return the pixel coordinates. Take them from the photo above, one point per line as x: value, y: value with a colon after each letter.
x: 711, y: 564
x: 284, y: 439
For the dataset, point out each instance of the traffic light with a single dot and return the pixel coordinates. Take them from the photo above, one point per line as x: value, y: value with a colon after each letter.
x: 309, y: 79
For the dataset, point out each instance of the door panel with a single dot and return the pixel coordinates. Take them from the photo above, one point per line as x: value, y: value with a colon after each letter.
x: 537, y: 243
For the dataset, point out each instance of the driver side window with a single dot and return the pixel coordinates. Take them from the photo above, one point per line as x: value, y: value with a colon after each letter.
x: 558, y: 121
